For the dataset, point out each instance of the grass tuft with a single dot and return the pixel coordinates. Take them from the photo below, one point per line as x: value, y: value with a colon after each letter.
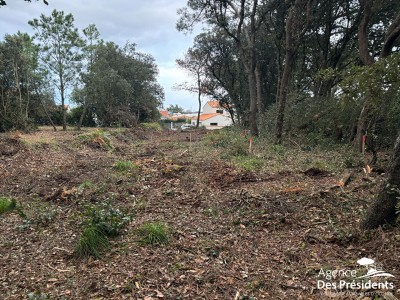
x: 153, y: 234
x: 91, y: 243
x: 123, y: 166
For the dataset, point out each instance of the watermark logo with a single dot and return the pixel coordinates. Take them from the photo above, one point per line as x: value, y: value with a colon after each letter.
x: 366, y: 277
x: 371, y: 269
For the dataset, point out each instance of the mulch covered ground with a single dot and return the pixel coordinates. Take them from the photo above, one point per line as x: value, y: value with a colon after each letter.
x: 234, y: 234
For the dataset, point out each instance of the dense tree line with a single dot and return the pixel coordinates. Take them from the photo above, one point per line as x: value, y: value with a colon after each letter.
x: 42, y: 76
x: 324, y: 69
x: 286, y: 65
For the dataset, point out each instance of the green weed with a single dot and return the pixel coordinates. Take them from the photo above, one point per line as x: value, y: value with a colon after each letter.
x: 153, y: 234
x: 124, y: 166
x: 7, y: 204
x: 86, y: 184
x: 108, y: 220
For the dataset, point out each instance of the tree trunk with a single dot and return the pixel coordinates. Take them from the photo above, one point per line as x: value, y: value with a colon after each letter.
x: 284, y: 85
x: 253, y: 104
x: 198, y: 112
x: 294, y: 30
x: 260, y: 103
x: 383, y: 209
x: 82, y: 117
x: 361, y: 127
x: 198, y: 99
x: 48, y: 116
x: 64, y: 109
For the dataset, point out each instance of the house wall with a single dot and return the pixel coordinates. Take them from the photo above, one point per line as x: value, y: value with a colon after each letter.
x: 207, y: 109
x: 220, y: 120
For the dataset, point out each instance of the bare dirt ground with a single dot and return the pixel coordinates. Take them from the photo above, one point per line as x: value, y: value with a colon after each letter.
x: 234, y: 234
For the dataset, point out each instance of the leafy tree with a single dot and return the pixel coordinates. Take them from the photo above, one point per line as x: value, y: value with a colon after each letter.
x: 175, y: 108
x: 224, y: 78
x: 194, y: 63
x: 297, y: 22
x: 60, y: 46
x: 92, y: 41
x: 18, y: 80
x: 373, y: 13
x: 122, y: 86
x: 241, y: 20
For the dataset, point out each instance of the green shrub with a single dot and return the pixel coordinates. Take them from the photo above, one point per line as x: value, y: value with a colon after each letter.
x: 153, y: 234
x: 7, y: 204
x: 109, y: 220
x: 103, y: 222
x: 98, y: 138
x: 91, y: 243
x: 154, y: 126
x: 231, y: 139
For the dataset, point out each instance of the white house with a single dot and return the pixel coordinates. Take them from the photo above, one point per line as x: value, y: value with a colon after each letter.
x: 214, y: 116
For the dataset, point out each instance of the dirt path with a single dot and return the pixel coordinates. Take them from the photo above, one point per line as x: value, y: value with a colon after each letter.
x: 234, y: 234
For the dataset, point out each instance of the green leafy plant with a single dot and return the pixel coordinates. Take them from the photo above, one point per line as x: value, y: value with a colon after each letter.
x: 7, y: 204
x: 153, y: 234
x: 103, y: 222
x: 37, y: 295
x: 109, y: 220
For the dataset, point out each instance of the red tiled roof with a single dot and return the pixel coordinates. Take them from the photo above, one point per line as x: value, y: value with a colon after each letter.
x: 204, y: 117
x: 164, y: 113
x: 214, y: 103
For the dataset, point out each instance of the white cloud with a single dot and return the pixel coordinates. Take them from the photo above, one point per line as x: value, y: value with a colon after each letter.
x: 149, y: 24
x: 172, y: 76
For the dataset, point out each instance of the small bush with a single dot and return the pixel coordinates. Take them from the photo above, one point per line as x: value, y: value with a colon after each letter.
x: 98, y: 139
x: 152, y: 126
x: 91, y: 243
x: 153, y: 234
x: 232, y: 139
x: 109, y: 220
x: 123, y: 166
x: 7, y: 204
x: 103, y: 222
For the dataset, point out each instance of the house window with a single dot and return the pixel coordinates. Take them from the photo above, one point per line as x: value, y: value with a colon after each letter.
x: 213, y: 124
x: 220, y: 111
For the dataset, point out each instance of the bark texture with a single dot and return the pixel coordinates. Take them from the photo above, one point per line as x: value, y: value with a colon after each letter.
x: 383, y: 209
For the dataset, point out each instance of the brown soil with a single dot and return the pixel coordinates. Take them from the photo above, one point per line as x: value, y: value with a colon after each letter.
x: 234, y: 234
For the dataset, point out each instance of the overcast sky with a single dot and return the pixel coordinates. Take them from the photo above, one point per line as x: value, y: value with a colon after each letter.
x: 149, y: 24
